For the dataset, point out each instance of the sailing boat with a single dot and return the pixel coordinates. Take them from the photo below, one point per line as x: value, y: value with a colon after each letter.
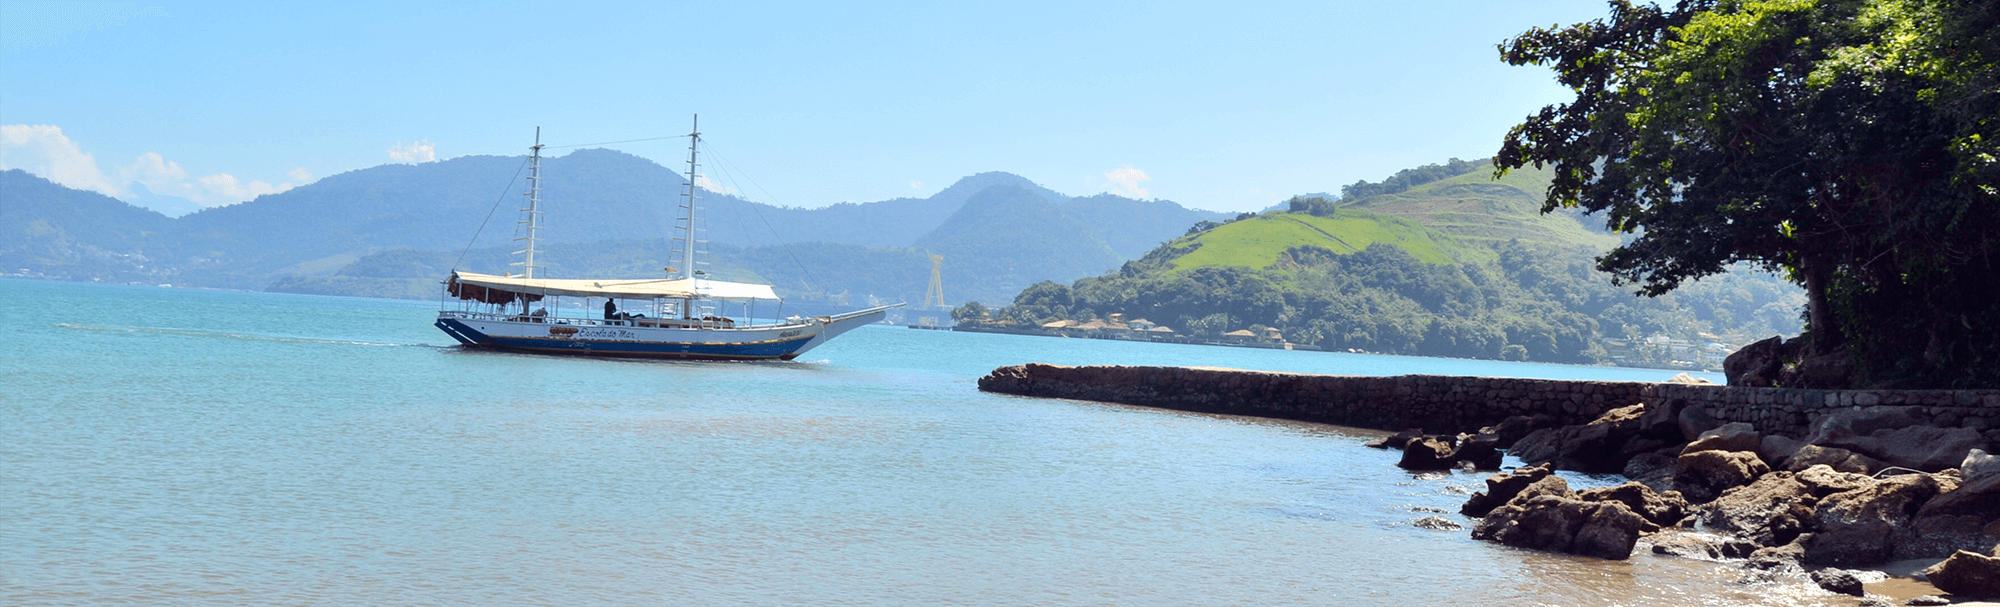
x: 689, y: 312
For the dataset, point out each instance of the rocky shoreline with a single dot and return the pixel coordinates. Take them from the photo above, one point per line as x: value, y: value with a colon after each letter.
x: 1826, y: 488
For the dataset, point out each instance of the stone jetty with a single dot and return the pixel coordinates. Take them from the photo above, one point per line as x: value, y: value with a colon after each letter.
x: 1789, y: 482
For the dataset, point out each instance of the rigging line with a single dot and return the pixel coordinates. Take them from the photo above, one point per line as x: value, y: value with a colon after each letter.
x: 760, y: 214
x: 578, y: 145
x: 489, y: 213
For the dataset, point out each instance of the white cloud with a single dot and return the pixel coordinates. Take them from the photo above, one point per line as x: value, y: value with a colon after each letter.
x: 916, y: 185
x: 44, y: 150
x: 703, y: 182
x: 300, y: 175
x: 225, y: 185
x: 416, y: 151
x: 1126, y: 182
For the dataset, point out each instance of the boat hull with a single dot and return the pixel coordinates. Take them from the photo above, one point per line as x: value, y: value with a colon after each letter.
x: 629, y: 339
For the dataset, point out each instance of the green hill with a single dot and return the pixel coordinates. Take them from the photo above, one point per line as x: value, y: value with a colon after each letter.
x: 1440, y: 260
x: 1477, y: 208
x: 1259, y: 242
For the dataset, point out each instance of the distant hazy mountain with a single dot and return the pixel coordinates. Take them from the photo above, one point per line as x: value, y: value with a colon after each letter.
x: 590, y: 196
x: 50, y: 230
x: 171, y: 206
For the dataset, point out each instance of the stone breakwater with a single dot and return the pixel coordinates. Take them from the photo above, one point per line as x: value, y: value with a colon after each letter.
x: 1450, y: 404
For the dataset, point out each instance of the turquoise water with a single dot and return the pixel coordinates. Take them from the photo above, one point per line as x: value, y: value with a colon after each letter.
x: 203, y: 447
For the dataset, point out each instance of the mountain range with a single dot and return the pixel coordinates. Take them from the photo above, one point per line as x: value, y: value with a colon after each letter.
x: 997, y: 232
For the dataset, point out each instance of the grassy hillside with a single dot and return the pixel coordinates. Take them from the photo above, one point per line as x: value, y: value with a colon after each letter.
x: 1259, y: 242
x: 1476, y: 208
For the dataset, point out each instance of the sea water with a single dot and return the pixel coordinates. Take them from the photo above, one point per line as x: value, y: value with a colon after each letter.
x: 177, y: 446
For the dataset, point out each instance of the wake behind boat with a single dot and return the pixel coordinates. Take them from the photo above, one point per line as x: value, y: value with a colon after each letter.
x: 684, y: 315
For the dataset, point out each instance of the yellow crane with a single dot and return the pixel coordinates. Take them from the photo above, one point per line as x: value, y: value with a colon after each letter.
x: 934, y: 296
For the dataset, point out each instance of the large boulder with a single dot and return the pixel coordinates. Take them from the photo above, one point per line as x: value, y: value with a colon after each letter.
x: 1835, y: 580
x: 1695, y: 420
x: 1754, y: 365
x: 1734, y: 436
x: 1966, y: 518
x: 1538, y: 446
x: 1397, y: 440
x: 1772, y: 511
x: 1978, y: 465
x: 1501, y: 488
x: 1428, y: 453
x: 1655, y: 470
x: 1861, y: 527
x: 1552, y: 522
x: 1776, y: 449
x: 1481, y: 451
x: 1660, y: 510
x: 1927, y: 448
x: 1599, y: 446
x: 1968, y: 574
x: 1842, y: 424
x: 1836, y: 458
x: 1703, y: 475
x: 1513, y: 429
x: 1662, y: 419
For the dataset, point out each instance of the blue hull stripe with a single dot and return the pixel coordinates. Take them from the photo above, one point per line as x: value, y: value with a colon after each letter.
x: 694, y: 350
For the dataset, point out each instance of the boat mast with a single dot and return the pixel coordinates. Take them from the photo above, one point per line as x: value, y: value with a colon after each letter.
x: 534, y: 210
x: 692, y: 195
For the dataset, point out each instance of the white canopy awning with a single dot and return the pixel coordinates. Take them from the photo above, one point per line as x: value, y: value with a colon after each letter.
x: 643, y: 288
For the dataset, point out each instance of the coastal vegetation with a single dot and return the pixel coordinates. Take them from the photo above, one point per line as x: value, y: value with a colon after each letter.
x: 1850, y: 145
x: 1342, y: 276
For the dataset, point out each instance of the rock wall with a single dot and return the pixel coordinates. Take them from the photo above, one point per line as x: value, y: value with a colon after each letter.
x: 1443, y: 404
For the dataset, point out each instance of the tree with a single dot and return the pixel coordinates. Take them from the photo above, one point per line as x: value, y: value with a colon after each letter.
x: 1852, y: 144
x: 971, y: 311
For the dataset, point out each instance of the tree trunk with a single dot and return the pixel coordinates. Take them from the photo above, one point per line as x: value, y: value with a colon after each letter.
x: 1825, y: 331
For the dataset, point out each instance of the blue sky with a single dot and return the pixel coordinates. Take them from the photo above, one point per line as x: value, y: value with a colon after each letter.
x: 1224, y: 107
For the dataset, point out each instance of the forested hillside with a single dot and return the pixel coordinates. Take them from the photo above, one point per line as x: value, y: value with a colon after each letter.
x: 1434, y: 278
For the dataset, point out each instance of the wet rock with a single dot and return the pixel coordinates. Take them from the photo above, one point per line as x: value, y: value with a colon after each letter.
x: 1696, y: 420
x: 1538, y: 446
x: 1660, y: 510
x: 1859, y: 527
x: 1737, y: 436
x: 1967, y: 573
x: 1479, y: 451
x: 1398, y: 440
x: 1703, y: 475
x: 1928, y: 600
x: 1834, y: 457
x: 1501, y: 488
x: 1552, y: 522
x: 1835, y: 580
x: 1705, y: 546
x: 1513, y: 429
x: 1599, y: 445
x: 1427, y: 453
x: 1437, y: 523
x: 1966, y: 518
x: 1655, y: 470
x: 1789, y: 557
x: 1772, y: 511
